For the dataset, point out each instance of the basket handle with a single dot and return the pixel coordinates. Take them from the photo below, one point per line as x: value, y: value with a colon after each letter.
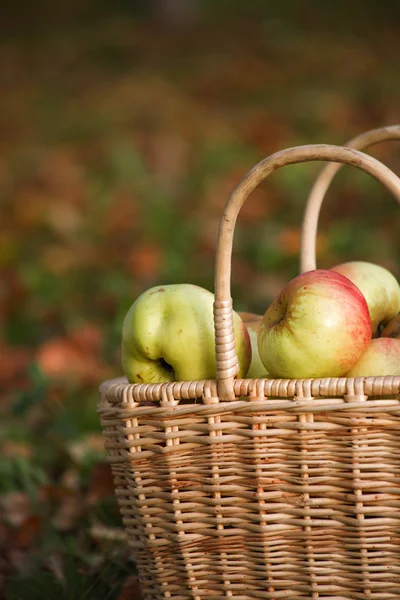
x: 226, y: 357
x: 321, y: 185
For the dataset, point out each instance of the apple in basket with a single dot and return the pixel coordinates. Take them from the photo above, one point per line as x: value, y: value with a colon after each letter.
x: 382, y: 357
x: 319, y: 326
x: 392, y: 329
x: 168, y: 335
x: 256, y: 369
x: 380, y: 288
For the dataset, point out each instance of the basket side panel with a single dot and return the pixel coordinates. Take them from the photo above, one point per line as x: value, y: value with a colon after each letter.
x: 256, y: 503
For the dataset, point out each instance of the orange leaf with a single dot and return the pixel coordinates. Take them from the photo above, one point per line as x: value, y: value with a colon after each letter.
x: 69, y: 511
x: 16, y: 507
x: 123, y: 214
x: 88, y: 336
x: 14, y: 362
x: 289, y: 241
x: 131, y: 589
x: 145, y: 261
x: 61, y: 358
x: 24, y: 536
x: 101, y: 484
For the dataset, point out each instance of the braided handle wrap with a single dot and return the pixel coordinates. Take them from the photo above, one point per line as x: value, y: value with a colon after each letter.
x: 321, y: 185
x: 226, y: 357
x: 228, y: 363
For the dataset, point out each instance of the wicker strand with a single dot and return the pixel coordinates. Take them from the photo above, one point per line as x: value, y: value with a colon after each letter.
x: 259, y: 471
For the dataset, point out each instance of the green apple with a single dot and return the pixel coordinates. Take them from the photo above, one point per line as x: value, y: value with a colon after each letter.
x: 380, y: 288
x: 392, y: 329
x: 256, y: 369
x: 382, y: 357
x: 168, y: 335
x: 319, y: 326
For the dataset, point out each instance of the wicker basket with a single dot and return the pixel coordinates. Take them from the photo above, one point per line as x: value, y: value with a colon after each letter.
x: 263, y: 489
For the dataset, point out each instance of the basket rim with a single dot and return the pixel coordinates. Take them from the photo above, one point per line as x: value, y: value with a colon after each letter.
x: 292, y: 392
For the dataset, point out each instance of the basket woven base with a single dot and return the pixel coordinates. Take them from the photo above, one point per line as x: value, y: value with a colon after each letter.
x: 262, y: 498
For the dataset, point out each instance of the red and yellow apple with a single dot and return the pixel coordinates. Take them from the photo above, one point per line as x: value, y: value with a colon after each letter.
x: 379, y: 287
x: 168, y: 335
x: 382, y: 357
x: 319, y: 326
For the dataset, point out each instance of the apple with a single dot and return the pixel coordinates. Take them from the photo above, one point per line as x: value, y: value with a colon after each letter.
x: 382, y: 357
x: 392, y: 329
x: 380, y: 288
x: 319, y: 326
x: 168, y: 335
x: 256, y: 369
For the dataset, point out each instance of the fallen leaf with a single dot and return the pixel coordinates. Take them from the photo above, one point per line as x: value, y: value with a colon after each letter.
x: 101, y: 484
x: 29, y: 208
x: 56, y: 493
x: 70, y: 479
x: 11, y: 448
x: 123, y: 214
x: 4, y: 535
x: 69, y: 512
x: 14, y: 363
x: 268, y: 133
x: 60, y: 259
x: 242, y: 271
x: 88, y: 336
x: 91, y: 443
x: 131, y: 589
x: 167, y: 156
x: 288, y: 241
x: 63, y: 218
x: 17, y: 508
x: 9, y: 246
x: 60, y: 176
x: 145, y: 261
x: 62, y: 358
x: 25, y: 535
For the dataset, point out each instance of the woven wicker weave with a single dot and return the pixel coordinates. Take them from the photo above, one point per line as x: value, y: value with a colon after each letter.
x: 263, y: 489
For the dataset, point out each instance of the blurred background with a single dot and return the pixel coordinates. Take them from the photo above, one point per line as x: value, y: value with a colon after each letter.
x: 123, y: 131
